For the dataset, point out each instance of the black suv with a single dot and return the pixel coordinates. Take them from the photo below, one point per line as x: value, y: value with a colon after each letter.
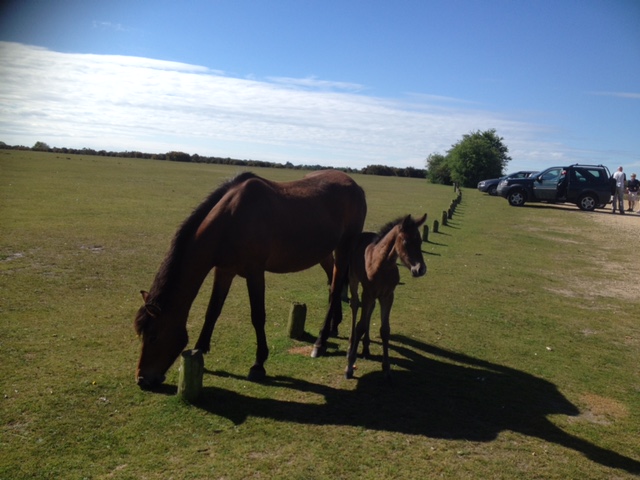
x: 585, y: 185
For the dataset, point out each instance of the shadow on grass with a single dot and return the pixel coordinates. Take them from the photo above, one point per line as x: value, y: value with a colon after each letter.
x: 435, y: 393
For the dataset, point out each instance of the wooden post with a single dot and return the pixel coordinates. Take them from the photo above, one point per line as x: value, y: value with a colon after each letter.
x: 444, y: 217
x: 191, y: 372
x: 297, y: 317
x: 435, y: 226
x: 450, y: 213
x: 425, y: 233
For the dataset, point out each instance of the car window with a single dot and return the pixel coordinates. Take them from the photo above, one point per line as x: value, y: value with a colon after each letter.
x: 588, y: 175
x: 552, y: 174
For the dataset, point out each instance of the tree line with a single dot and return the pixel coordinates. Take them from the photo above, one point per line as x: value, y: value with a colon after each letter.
x: 477, y: 156
x: 177, y: 156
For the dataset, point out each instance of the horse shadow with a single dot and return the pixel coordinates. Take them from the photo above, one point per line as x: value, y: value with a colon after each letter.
x: 435, y: 393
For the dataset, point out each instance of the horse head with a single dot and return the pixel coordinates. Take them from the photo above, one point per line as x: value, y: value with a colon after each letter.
x: 163, y: 338
x: 409, y: 245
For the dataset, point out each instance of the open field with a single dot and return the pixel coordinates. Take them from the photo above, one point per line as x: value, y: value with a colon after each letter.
x: 516, y: 356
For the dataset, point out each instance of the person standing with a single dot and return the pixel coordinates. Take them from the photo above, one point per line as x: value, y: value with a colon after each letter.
x: 633, y: 186
x: 618, y: 193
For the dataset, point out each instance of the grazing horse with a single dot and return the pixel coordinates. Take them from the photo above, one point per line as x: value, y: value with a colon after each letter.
x: 247, y: 227
x: 373, y: 265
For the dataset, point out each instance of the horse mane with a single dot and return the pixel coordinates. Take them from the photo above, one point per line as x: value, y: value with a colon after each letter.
x: 168, y: 271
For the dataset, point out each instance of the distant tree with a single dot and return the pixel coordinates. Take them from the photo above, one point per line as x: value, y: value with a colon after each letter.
x: 412, y: 172
x: 40, y: 147
x: 438, y: 170
x: 381, y: 170
x: 178, y: 157
x: 477, y: 156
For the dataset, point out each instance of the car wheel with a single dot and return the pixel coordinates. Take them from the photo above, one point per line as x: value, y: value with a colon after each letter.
x: 493, y: 190
x: 516, y: 198
x: 587, y: 202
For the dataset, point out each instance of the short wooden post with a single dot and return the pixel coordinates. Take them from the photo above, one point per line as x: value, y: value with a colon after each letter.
x: 191, y: 372
x: 450, y: 213
x: 436, y: 225
x: 444, y: 217
x: 425, y: 233
x: 297, y: 317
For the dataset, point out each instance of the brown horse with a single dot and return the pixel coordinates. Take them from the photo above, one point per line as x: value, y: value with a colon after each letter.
x: 247, y: 227
x: 373, y: 265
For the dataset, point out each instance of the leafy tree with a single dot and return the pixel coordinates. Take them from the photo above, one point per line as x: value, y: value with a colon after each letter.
x: 477, y: 156
x: 41, y: 147
x: 438, y: 170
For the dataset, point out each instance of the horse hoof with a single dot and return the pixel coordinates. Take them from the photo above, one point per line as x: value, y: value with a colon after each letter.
x: 257, y: 373
x: 202, y: 348
x: 348, y: 374
x: 318, y: 351
x: 334, y: 332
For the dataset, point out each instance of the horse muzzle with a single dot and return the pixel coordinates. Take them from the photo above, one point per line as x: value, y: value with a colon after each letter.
x: 149, y: 381
x: 418, y: 270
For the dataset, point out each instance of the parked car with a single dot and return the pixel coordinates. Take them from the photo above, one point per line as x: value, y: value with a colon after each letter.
x: 491, y: 186
x: 585, y: 185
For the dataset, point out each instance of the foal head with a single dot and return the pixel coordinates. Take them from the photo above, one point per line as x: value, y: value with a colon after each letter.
x: 163, y: 338
x: 408, y: 245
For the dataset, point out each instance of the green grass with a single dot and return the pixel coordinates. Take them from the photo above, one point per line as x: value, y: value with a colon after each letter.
x: 513, y: 358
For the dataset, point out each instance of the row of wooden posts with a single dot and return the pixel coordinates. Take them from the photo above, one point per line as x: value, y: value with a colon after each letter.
x: 192, y: 361
x: 446, y: 216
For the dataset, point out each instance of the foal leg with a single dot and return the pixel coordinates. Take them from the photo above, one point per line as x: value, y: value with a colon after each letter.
x: 368, y: 304
x: 221, y: 284
x: 256, y: 285
x: 354, y: 302
x: 386, y: 303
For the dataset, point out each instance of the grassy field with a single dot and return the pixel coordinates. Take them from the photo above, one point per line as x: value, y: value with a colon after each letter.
x: 516, y: 356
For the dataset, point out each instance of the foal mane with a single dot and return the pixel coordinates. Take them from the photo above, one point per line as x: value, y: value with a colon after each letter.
x: 167, y: 274
x: 387, y: 228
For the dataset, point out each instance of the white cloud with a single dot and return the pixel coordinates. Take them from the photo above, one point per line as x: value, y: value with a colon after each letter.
x: 117, y: 103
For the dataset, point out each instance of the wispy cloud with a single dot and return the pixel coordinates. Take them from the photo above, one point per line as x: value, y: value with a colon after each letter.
x: 109, y: 26
x: 315, y: 83
x: 118, y: 102
x: 630, y: 95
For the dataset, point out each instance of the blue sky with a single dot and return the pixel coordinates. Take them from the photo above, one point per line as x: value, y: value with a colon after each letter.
x: 339, y: 83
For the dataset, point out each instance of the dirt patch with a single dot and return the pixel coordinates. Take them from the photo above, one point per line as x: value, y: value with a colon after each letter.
x: 601, y: 410
x: 625, y: 226
x: 616, y: 235
x: 304, y: 350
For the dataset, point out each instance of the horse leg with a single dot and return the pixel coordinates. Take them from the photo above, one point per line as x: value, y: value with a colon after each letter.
x: 386, y: 303
x: 368, y: 304
x: 256, y: 285
x: 221, y: 285
x: 327, y: 265
x: 334, y: 314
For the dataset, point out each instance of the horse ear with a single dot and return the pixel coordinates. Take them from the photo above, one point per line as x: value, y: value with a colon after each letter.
x: 421, y: 220
x: 145, y: 295
x: 406, y: 223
